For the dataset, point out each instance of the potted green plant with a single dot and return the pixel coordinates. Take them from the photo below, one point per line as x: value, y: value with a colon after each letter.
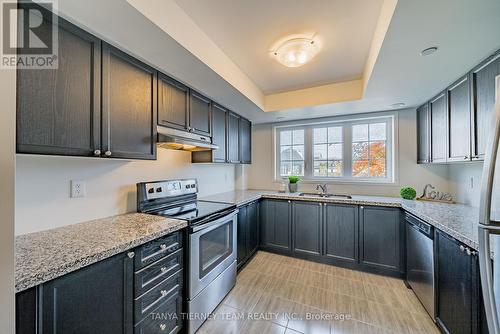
x: 408, y: 193
x: 292, y: 185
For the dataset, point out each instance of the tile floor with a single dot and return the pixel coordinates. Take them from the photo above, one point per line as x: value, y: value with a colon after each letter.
x: 278, y: 294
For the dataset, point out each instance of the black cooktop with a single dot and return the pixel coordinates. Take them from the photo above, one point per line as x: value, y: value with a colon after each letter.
x: 196, y: 211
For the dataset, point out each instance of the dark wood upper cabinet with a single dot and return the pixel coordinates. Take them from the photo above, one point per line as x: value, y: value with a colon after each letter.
x: 199, y: 114
x: 483, y: 97
x: 245, y: 141
x: 173, y: 103
x: 58, y: 110
x: 423, y: 135
x: 439, y: 128
x: 95, y: 299
x: 219, y: 133
x: 129, y: 114
x: 219, y: 138
x: 233, y: 138
x: 459, y: 108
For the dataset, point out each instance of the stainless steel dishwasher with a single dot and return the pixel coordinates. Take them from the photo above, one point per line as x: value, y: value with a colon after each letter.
x: 420, y: 260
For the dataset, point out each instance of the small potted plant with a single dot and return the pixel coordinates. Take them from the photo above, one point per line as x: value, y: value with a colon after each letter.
x: 408, y: 193
x: 292, y: 185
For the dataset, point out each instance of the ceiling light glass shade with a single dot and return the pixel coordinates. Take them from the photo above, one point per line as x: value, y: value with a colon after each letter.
x: 296, y: 52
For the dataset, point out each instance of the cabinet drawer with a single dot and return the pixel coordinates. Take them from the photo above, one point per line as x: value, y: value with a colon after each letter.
x: 157, y: 249
x: 167, y: 318
x: 148, y: 277
x: 145, y: 304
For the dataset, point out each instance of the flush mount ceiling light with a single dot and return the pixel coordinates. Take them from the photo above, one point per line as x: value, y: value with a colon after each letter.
x: 295, y: 52
x: 398, y: 105
x: 428, y: 51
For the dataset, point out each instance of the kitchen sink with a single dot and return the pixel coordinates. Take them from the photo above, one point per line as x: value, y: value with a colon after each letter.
x: 325, y: 195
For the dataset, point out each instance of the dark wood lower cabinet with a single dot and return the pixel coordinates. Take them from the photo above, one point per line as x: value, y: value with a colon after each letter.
x: 95, y: 299
x: 102, y: 297
x: 248, y: 232
x: 380, y: 237
x: 459, y: 300
x: 340, y: 232
x: 364, y: 238
x: 306, y: 228
x: 275, y: 226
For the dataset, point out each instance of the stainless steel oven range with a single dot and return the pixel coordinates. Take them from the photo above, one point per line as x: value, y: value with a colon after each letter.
x: 211, y: 241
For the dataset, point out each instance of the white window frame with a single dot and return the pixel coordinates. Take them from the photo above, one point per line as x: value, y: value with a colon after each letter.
x: 347, y: 122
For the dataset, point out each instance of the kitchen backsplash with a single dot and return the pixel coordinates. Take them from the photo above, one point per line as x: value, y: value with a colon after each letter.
x: 43, y: 186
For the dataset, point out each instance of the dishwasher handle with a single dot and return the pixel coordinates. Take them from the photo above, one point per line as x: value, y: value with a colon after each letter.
x: 420, y: 225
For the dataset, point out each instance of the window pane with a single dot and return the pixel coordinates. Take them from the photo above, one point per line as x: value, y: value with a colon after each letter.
x: 377, y: 150
x: 298, y: 168
x: 320, y: 136
x: 377, y: 168
x: 335, y: 134
x: 298, y: 137
x: 360, y: 151
x: 360, y: 168
x: 335, y: 168
x: 377, y: 131
x: 335, y: 152
x: 286, y: 168
x: 320, y: 152
x: 320, y: 168
x: 286, y: 138
x: 298, y: 152
x: 360, y: 132
x: 286, y: 153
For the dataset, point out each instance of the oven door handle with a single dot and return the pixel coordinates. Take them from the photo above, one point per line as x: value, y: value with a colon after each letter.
x: 214, y: 224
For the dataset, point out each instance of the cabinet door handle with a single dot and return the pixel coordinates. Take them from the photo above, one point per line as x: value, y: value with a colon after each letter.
x: 107, y: 153
x: 97, y: 153
x: 462, y: 248
x: 131, y: 255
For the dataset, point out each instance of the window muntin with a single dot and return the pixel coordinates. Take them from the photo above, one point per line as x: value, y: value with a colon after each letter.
x: 328, y: 152
x: 353, y: 150
x: 292, y: 152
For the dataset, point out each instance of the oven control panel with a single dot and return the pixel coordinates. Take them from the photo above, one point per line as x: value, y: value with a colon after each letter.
x: 164, y: 189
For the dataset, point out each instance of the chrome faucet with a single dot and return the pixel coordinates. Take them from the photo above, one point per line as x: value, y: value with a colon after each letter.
x: 322, y: 187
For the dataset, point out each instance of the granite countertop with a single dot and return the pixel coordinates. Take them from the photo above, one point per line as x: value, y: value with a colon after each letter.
x: 457, y: 220
x: 43, y: 256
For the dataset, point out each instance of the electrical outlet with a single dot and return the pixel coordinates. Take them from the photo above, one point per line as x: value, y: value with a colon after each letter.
x: 78, y: 189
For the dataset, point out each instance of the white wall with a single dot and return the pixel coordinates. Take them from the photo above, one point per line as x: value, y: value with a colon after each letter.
x: 465, y: 182
x: 7, y: 204
x: 260, y: 173
x: 43, y: 186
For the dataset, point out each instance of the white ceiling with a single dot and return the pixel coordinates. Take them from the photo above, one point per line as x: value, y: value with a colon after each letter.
x: 246, y: 30
x: 466, y: 32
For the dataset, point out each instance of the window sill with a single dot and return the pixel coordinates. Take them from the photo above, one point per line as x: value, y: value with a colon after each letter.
x: 392, y: 183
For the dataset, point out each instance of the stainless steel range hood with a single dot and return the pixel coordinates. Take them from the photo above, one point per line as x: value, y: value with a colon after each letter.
x: 181, y: 140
